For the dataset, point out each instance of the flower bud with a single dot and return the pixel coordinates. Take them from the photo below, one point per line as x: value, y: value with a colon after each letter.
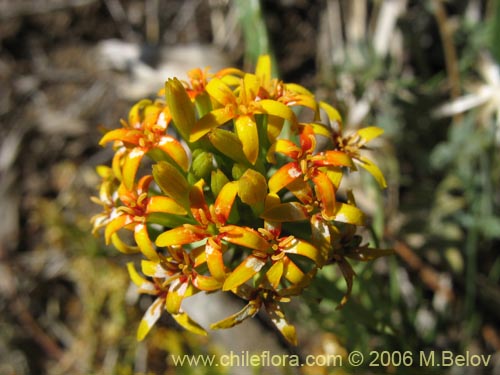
x: 252, y: 187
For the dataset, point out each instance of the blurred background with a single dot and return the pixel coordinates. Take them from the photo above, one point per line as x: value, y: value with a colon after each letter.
x: 425, y: 71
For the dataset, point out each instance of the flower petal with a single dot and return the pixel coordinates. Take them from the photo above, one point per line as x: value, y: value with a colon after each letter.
x: 142, y: 239
x: 154, y: 269
x: 244, y: 236
x: 326, y: 194
x: 275, y: 273
x: 244, y: 272
x: 333, y: 158
x: 179, y: 289
x: 278, y: 318
x: 122, y: 246
x: 285, y: 147
x: 221, y: 92
x: 181, y: 236
x: 274, y: 108
x: 246, y: 128
x: 248, y: 311
x: 263, y: 69
x: 186, y: 322
x: 214, y: 259
x: 274, y: 127
x: 347, y: 213
x: 125, y: 135
x: 210, y: 121
x: 373, y: 170
x: 131, y: 165
x: 286, y: 212
x: 304, y: 248
x: 224, y: 202
x: 294, y: 274
x: 283, y: 176
x: 159, y: 203
x: 369, y: 133
x: 136, y: 113
x: 207, y: 283
x: 174, y: 149
x: 116, y: 224
x: 302, y: 190
x: 138, y: 280
x: 150, y: 317
x: 333, y: 114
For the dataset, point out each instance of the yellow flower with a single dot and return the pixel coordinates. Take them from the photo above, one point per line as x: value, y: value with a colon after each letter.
x: 212, y: 227
x: 145, y: 131
x: 241, y: 107
x: 321, y: 169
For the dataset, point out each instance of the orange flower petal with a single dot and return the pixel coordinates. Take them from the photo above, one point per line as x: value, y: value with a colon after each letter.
x: 124, y: 135
x: 181, y: 236
x: 244, y: 272
x: 326, y: 194
x: 224, y: 201
x: 116, y: 224
x: 283, y: 176
x: 215, y: 262
x: 174, y: 149
x: 131, y: 165
x: 244, y: 236
x: 285, y: 147
x: 197, y: 197
x: 333, y: 158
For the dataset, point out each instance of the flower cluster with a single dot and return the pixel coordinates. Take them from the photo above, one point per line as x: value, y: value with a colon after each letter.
x: 224, y: 187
